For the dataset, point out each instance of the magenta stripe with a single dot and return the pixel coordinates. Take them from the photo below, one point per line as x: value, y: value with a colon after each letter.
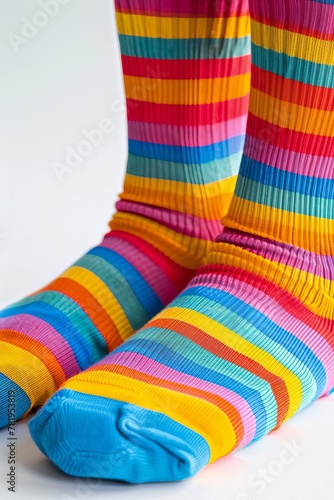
x: 42, y: 332
x: 312, y: 19
x: 296, y: 163
x: 188, y: 225
x: 151, y: 273
x: 150, y: 367
x: 173, y: 135
x: 297, y: 258
x: 188, y: 7
x: 272, y: 310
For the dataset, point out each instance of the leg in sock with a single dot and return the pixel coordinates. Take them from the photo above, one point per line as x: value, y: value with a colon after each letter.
x: 250, y: 341
x: 187, y: 76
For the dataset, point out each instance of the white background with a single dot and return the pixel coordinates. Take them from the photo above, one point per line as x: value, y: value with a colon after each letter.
x: 63, y: 80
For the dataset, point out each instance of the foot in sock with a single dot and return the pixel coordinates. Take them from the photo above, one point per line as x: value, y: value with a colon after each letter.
x: 250, y: 341
x: 187, y: 107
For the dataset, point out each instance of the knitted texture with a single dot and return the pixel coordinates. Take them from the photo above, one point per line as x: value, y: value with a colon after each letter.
x: 250, y: 341
x: 187, y: 77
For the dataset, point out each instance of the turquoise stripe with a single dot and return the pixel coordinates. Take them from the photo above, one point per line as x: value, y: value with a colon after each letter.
x: 59, y: 322
x: 147, y: 297
x: 178, y: 343
x: 204, y: 173
x: 293, y: 68
x: 281, y: 199
x: 119, y: 287
x: 76, y: 315
x: 233, y: 316
x: 185, y: 48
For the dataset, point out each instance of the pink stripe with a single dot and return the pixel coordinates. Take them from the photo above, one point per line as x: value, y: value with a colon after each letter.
x: 188, y: 225
x: 314, y: 18
x: 319, y: 265
x: 287, y: 160
x: 191, y: 7
x: 42, y: 332
x: 153, y: 368
x: 272, y: 310
x: 173, y: 135
x: 151, y: 273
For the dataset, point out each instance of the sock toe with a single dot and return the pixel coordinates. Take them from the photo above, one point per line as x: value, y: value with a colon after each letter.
x: 92, y: 436
x: 13, y: 401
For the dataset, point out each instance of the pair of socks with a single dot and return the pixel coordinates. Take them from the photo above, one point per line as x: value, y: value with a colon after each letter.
x: 249, y: 342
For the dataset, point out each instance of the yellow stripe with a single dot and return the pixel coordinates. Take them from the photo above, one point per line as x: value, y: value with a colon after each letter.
x: 293, y: 44
x: 291, y: 116
x: 177, y: 406
x: 236, y: 342
x: 28, y: 372
x: 303, y: 231
x: 103, y: 295
x: 169, y: 27
x: 205, y: 201
x: 314, y: 292
x: 183, y: 250
x: 203, y: 91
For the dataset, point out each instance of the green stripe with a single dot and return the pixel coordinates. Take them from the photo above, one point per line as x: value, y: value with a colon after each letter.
x: 281, y: 199
x: 180, y: 344
x: 75, y: 314
x: 247, y: 331
x: 293, y: 68
x: 118, y: 286
x: 199, y: 174
x: 187, y: 48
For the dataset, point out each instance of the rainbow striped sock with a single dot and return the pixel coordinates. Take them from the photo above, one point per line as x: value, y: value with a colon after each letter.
x: 187, y: 78
x: 250, y: 341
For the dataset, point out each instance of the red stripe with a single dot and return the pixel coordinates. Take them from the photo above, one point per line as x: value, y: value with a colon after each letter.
x: 187, y: 115
x: 286, y: 300
x: 292, y: 91
x: 179, y: 276
x: 219, y: 349
x: 185, y: 69
x: 185, y: 8
x: 298, y: 142
x: 293, y: 27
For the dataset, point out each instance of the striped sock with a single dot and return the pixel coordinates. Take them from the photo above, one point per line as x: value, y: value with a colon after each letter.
x: 250, y: 341
x: 187, y: 78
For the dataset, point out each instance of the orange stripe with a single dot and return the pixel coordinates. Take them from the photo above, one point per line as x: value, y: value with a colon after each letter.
x: 221, y: 403
x: 37, y: 349
x: 222, y: 351
x: 292, y: 91
x: 90, y: 306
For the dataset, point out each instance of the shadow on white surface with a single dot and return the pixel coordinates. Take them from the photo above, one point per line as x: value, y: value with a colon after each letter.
x: 292, y: 463
x: 64, y: 81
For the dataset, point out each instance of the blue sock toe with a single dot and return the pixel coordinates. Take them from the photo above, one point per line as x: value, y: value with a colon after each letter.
x: 92, y: 436
x: 11, y: 394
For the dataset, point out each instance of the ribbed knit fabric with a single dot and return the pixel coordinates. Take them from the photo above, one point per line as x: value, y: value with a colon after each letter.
x: 250, y: 341
x: 186, y: 72
x: 187, y: 79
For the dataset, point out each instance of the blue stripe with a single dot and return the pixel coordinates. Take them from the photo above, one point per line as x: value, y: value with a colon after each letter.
x: 151, y: 347
x: 188, y: 155
x: 146, y: 296
x: 315, y: 187
x: 59, y: 321
x: 118, y: 287
x: 202, y: 299
x: 78, y: 317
